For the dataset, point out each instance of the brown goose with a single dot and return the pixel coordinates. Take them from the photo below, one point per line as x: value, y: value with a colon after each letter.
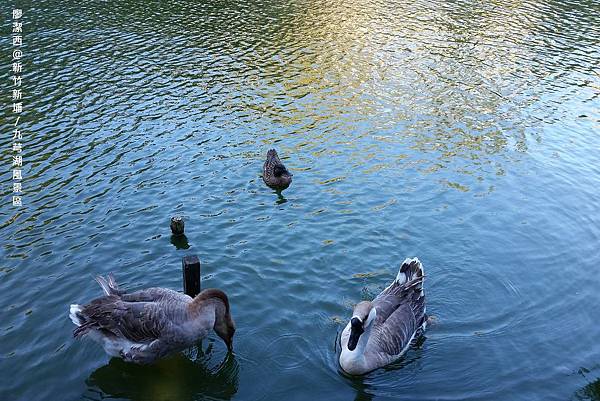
x: 149, y: 324
x: 275, y: 175
x: 381, y: 331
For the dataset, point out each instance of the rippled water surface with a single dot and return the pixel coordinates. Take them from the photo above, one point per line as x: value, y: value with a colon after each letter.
x: 465, y: 133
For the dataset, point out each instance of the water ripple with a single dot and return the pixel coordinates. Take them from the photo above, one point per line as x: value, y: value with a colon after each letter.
x: 459, y: 132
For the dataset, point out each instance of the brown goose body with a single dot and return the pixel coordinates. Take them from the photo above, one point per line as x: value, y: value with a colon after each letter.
x: 275, y: 175
x: 149, y: 324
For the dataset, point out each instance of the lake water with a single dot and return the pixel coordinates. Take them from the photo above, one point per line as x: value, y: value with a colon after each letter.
x: 465, y: 133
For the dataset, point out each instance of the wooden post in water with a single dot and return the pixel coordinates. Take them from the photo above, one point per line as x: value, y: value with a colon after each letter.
x: 191, y: 275
x: 177, y: 225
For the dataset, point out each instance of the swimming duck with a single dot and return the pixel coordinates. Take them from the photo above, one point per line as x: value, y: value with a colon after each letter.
x: 380, y: 331
x: 149, y: 324
x: 275, y: 175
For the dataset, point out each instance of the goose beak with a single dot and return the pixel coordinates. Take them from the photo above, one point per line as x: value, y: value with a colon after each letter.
x: 229, y: 345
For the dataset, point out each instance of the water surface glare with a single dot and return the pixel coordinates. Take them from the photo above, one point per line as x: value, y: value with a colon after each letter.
x: 465, y: 133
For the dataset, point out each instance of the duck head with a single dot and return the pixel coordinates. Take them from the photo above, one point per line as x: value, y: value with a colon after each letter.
x: 362, y: 318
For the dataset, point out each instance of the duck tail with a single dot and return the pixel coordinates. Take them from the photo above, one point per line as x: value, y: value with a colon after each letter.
x: 109, y: 284
x: 273, y: 157
x: 411, y: 269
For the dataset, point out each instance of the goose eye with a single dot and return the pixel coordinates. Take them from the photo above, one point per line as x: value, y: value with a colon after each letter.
x: 356, y: 323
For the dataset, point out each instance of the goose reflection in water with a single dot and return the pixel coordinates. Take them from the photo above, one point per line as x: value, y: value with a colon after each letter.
x: 364, y: 392
x: 177, y: 377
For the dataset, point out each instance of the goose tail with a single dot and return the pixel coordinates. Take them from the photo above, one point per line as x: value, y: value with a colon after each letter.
x: 411, y: 276
x: 108, y: 284
x: 74, y: 314
x: 410, y: 270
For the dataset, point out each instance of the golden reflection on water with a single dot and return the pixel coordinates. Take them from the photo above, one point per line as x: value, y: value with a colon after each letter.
x: 447, y: 82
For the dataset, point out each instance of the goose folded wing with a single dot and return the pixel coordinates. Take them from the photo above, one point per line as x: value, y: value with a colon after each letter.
x: 155, y: 295
x: 395, y: 295
x: 140, y: 322
x: 393, y: 335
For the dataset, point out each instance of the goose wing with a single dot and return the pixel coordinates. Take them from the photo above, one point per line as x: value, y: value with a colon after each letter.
x: 395, y: 294
x: 392, y: 337
x: 400, y: 314
x: 139, y: 322
x: 155, y: 294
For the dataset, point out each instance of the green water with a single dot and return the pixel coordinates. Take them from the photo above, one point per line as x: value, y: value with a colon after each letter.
x: 465, y: 133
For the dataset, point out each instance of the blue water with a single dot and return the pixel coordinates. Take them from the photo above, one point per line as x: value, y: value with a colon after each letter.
x: 464, y: 133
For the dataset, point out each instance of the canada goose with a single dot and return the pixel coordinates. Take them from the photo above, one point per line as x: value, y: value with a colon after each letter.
x: 380, y: 331
x: 149, y: 324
